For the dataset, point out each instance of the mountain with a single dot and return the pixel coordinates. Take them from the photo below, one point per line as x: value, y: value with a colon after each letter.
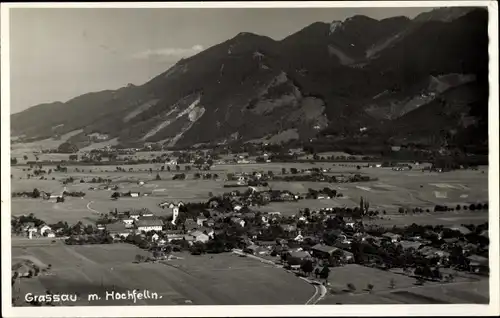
x: 410, y: 81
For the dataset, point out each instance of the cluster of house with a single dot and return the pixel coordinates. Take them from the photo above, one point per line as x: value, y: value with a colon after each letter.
x: 143, y: 221
x: 341, y: 249
x: 38, y: 231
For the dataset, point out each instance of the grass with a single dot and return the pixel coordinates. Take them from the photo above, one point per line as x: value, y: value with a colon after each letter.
x: 404, y: 292
x: 361, y: 276
x: 393, y: 189
x: 223, y: 279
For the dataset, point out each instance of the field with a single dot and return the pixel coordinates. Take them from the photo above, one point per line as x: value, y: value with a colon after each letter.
x: 224, y: 279
x: 392, y: 190
x: 405, y: 292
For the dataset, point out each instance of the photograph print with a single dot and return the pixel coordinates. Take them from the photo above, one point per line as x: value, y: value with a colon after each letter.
x: 249, y: 156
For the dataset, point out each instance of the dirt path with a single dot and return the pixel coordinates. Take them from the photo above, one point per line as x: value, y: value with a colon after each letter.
x: 90, y: 209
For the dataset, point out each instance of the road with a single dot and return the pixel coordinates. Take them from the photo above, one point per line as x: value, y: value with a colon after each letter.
x: 92, y: 210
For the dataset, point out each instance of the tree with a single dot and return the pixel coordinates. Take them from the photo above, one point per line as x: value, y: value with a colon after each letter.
x: 13, y: 161
x: 115, y: 195
x: 177, y: 168
x: 293, y: 170
x: 210, y: 194
x: 157, y: 177
x: 307, y: 267
x: 36, y: 193
x: 283, y: 170
x: 392, y: 283
x: 351, y: 287
x: 25, y: 157
x: 325, y: 272
x: 369, y: 287
x: 168, y: 168
x: 138, y: 258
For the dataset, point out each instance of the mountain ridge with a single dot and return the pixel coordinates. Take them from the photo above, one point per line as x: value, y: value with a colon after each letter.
x: 313, y: 81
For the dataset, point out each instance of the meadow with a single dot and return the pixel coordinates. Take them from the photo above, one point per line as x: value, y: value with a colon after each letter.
x: 224, y: 279
x: 392, y: 190
x: 462, y: 290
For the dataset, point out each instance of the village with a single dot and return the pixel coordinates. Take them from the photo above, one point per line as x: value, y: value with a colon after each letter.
x: 312, y: 219
x: 312, y: 241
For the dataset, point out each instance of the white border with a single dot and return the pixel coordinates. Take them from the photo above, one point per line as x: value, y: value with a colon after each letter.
x: 238, y: 311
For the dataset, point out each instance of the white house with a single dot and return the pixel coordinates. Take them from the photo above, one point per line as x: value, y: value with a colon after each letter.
x: 155, y: 237
x: 135, y: 215
x: 146, y: 212
x: 239, y: 221
x: 210, y: 232
x: 134, y: 194
x: 200, y: 220
x: 148, y: 225
x: 118, y: 229
x: 100, y: 226
x: 129, y: 222
x: 200, y: 236
x: 391, y: 236
x: 44, y: 228
x: 162, y: 242
x: 51, y: 234
x: 299, y: 238
x: 172, y: 162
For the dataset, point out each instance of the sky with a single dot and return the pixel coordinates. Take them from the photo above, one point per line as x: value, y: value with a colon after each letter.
x: 58, y: 54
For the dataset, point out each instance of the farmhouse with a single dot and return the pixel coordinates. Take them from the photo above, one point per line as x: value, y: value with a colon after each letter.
x: 44, y: 228
x: 323, y: 251
x: 392, y: 237
x: 201, y: 220
x: 135, y: 214
x: 146, y: 212
x: 200, y: 236
x: 478, y: 264
x: 268, y: 244
x: 299, y: 238
x: 100, y: 226
x: 190, y: 224
x: 118, y: 229
x: 149, y: 224
x: 208, y: 231
x: 409, y: 244
x: 462, y: 229
x: 129, y: 222
x: 259, y: 189
x: 252, y: 249
x: 239, y: 221
x: 120, y: 213
x: 22, y: 269
x: 297, y: 257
